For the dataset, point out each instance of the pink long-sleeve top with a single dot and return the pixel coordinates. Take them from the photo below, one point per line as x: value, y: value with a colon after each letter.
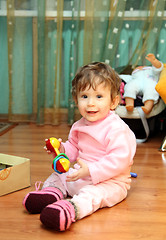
x: 106, y: 146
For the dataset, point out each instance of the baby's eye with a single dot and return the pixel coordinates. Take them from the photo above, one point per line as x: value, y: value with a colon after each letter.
x: 84, y: 96
x: 99, y: 96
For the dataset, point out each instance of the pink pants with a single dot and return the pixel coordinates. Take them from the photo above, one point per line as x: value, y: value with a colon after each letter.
x: 88, y: 197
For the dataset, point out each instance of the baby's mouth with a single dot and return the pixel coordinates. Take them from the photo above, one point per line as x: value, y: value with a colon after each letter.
x: 92, y: 112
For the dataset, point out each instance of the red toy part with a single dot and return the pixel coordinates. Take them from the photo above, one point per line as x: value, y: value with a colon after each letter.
x: 61, y: 163
x: 49, y: 146
x: 60, y: 167
x: 53, y: 145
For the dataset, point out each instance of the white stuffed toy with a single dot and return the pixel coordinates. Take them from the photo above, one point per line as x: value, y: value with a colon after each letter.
x: 142, y: 81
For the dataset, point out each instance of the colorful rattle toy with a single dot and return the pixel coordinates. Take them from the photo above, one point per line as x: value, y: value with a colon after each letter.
x: 61, y: 162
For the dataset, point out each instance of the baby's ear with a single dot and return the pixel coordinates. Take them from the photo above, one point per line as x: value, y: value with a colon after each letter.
x: 115, y: 102
x: 75, y: 100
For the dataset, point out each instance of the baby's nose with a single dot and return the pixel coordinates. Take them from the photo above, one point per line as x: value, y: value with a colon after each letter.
x: 91, y: 102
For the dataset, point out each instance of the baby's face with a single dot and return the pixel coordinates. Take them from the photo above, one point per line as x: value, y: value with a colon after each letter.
x: 95, y: 104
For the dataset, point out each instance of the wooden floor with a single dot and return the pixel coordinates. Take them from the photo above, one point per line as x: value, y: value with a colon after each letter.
x: 141, y: 216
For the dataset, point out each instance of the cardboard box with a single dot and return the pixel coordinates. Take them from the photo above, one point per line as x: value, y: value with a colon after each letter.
x: 14, y: 173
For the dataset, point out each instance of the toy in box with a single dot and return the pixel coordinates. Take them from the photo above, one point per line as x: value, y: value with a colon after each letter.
x: 14, y: 173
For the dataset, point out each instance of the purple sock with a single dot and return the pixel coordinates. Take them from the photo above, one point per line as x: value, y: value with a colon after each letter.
x: 34, y: 202
x: 59, y: 215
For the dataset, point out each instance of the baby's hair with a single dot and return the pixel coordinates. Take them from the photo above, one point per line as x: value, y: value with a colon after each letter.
x: 94, y: 74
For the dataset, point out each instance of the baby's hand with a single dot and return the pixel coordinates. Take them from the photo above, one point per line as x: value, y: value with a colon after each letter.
x: 48, y: 151
x: 61, y: 148
x: 45, y: 148
x: 81, y: 173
